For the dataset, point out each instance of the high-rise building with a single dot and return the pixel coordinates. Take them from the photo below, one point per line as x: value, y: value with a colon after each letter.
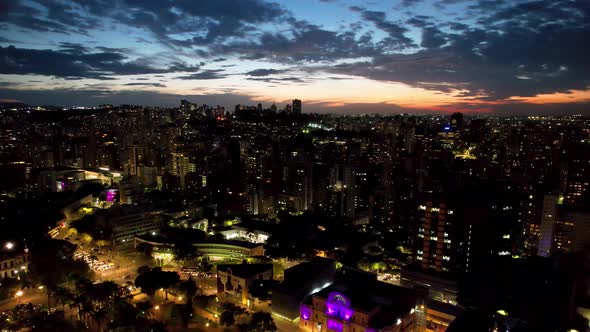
x: 296, y: 106
x: 548, y: 224
x: 457, y: 121
x: 436, y: 244
x: 136, y: 155
x: 181, y: 166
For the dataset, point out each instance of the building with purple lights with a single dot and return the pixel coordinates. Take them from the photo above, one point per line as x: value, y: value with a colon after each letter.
x: 370, y: 307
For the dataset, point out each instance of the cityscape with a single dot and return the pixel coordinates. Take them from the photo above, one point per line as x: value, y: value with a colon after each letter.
x: 307, y: 166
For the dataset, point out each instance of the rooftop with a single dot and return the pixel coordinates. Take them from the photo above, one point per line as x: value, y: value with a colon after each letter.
x: 245, y: 271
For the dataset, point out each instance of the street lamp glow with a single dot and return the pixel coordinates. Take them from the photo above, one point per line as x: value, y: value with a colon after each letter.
x: 157, y: 307
x: 19, y: 293
x: 9, y: 245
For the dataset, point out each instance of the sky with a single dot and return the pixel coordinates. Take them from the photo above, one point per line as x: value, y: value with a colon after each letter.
x: 342, y: 56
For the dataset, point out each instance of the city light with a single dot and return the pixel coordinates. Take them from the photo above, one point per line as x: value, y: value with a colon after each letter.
x: 19, y: 293
x: 9, y: 245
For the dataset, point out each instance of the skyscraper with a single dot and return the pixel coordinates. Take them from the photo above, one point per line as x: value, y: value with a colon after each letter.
x: 296, y: 106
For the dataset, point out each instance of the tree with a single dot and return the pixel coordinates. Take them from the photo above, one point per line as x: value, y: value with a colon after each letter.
x: 262, y: 322
x: 144, y: 308
x: 167, y: 279
x: 151, y: 280
x: 99, y: 315
x: 260, y: 289
x: 143, y: 269
x: 230, y: 313
x: 189, y: 288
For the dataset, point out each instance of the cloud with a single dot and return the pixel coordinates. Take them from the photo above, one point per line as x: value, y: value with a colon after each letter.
x: 74, y: 61
x: 55, y: 16
x: 157, y: 85
x: 208, y: 74
x: 543, y: 41
x: 306, y: 43
x: 432, y: 37
x: 264, y: 72
x: 397, y: 40
x: 292, y: 79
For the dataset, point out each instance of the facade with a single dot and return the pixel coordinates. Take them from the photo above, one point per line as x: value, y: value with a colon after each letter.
x: 235, y: 279
x: 300, y: 281
x: 439, y: 315
x: 439, y: 289
x: 211, y: 250
x: 181, y: 166
x: 548, y: 223
x: 11, y: 264
x: 242, y: 233
x: 296, y: 106
x: 563, y: 227
x: 127, y: 222
x: 374, y: 306
x: 435, y: 246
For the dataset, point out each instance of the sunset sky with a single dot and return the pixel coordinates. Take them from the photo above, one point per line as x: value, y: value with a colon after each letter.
x: 346, y: 56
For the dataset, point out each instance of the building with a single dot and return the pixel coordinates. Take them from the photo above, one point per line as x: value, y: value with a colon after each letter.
x: 213, y: 250
x: 296, y: 106
x: 238, y: 232
x: 12, y: 263
x: 435, y: 247
x: 548, y: 224
x: 300, y: 281
x: 462, y: 229
x: 437, y: 288
x: 136, y: 156
x: 439, y: 315
x: 235, y: 280
x: 352, y: 307
x: 181, y: 166
x: 343, y: 194
x: 126, y: 222
x: 563, y: 227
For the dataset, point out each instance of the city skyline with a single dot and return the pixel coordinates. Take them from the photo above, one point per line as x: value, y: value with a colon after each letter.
x: 411, y: 56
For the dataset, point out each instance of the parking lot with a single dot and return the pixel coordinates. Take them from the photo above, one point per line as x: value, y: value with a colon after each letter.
x: 94, y: 262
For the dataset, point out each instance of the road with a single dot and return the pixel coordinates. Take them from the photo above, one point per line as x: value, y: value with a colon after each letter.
x: 29, y: 296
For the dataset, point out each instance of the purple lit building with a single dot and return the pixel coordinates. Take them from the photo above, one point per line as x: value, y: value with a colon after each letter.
x: 367, y: 307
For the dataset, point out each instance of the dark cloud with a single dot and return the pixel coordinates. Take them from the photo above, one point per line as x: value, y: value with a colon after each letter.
x: 74, y: 62
x: 264, y: 72
x: 6, y: 40
x: 157, y: 85
x: 292, y: 79
x: 397, y: 40
x: 409, y: 3
x: 419, y: 21
x: 432, y: 38
x: 208, y: 74
x: 527, y: 49
x: 56, y: 16
x: 307, y: 43
x: 93, y: 97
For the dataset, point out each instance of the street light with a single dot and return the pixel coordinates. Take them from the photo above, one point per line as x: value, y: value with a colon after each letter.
x: 19, y: 293
x: 9, y: 245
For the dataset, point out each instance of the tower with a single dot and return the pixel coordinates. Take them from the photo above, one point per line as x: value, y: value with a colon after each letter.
x: 296, y: 106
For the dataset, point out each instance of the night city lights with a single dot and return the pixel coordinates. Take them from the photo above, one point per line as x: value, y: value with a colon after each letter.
x: 302, y: 165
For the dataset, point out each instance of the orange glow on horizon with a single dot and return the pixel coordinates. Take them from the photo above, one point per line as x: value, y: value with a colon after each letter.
x: 574, y: 96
